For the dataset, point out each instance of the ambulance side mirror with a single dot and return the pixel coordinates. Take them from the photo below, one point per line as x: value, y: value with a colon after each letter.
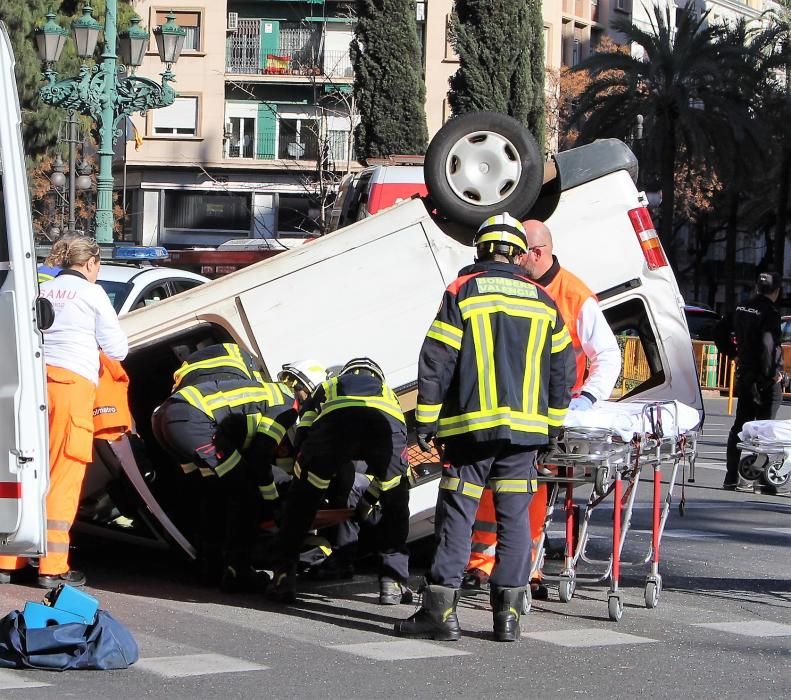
x: 45, y: 313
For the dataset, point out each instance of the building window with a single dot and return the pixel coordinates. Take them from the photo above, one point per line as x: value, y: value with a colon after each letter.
x: 191, y: 21
x: 296, y: 214
x: 298, y: 139
x: 205, y: 211
x: 178, y: 119
x: 450, y: 53
x: 622, y: 5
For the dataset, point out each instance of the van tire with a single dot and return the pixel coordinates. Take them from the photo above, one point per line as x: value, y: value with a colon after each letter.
x: 466, y: 145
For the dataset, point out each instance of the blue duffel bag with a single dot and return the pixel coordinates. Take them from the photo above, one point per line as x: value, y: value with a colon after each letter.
x: 103, y: 645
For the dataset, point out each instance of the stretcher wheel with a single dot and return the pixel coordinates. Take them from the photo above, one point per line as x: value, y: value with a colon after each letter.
x: 773, y: 478
x: 750, y: 468
x: 566, y: 588
x: 653, y: 587
x: 602, y: 480
x: 615, y: 607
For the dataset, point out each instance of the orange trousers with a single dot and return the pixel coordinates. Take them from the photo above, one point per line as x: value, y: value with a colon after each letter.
x: 484, y: 532
x: 70, y: 399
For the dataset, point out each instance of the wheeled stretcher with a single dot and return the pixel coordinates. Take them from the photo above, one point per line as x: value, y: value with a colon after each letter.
x: 608, y: 447
x: 768, y: 447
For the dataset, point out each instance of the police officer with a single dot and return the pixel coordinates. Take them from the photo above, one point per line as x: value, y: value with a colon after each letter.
x: 354, y: 416
x: 227, y: 430
x: 759, y: 365
x: 494, y: 382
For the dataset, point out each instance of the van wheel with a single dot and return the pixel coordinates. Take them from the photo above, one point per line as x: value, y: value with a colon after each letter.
x: 481, y: 164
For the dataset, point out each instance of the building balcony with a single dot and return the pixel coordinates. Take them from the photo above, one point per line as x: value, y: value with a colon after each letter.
x: 289, y: 52
x: 303, y: 146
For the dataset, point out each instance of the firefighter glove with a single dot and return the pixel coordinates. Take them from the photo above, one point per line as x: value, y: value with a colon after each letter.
x: 424, y: 438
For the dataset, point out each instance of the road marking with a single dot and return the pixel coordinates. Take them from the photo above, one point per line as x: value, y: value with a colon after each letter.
x: 398, y: 651
x: 753, y: 628
x: 14, y: 680
x: 588, y: 637
x: 774, y: 530
x: 195, y: 665
x: 688, y: 534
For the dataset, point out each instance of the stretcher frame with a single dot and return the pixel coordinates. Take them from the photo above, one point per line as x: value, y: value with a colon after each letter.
x: 599, y: 456
x: 769, y: 462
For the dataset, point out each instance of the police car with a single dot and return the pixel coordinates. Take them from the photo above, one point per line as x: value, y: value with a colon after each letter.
x: 132, y: 286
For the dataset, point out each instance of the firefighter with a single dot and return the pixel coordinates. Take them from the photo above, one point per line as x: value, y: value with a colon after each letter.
x: 595, y: 345
x: 216, y: 362
x: 354, y: 416
x: 85, y: 323
x: 227, y: 430
x: 494, y: 382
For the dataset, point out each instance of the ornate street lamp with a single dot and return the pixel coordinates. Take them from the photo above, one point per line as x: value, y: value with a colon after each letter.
x: 170, y: 40
x: 132, y: 43
x: 58, y: 177
x: 104, y: 93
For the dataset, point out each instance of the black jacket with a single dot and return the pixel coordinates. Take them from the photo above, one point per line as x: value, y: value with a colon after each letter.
x: 757, y: 328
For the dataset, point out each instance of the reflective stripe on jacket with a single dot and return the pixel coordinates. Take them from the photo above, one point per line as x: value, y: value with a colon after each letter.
x: 223, y: 358
x: 497, y: 362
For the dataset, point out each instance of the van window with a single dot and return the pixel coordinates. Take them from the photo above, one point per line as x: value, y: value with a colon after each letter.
x: 4, y: 252
x: 642, y: 362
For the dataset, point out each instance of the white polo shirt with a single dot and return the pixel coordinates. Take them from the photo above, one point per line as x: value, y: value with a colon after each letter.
x: 85, y: 322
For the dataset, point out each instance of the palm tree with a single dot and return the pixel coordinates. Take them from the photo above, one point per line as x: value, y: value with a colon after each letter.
x: 686, y: 82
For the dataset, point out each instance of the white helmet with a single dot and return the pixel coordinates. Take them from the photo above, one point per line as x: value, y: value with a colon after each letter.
x: 309, y: 373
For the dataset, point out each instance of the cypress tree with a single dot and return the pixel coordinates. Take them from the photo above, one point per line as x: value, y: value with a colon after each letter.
x: 388, y: 81
x: 500, y: 45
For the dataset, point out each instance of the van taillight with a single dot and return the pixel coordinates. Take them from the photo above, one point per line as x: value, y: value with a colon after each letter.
x: 649, y: 240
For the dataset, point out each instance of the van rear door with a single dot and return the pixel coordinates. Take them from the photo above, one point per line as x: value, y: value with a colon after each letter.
x: 24, y: 471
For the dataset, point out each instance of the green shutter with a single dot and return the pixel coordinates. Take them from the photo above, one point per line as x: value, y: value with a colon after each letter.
x: 267, y: 125
x: 270, y: 43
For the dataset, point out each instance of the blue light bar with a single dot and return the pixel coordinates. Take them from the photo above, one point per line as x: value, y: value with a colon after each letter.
x: 139, y: 253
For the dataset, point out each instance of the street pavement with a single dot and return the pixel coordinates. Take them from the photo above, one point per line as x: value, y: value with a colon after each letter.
x: 722, y: 627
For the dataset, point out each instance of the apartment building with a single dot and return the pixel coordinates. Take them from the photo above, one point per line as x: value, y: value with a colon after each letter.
x: 262, y: 122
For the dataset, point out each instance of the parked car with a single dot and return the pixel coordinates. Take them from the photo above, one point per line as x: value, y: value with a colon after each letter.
x: 701, y: 322
x: 371, y: 288
x: 135, y: 286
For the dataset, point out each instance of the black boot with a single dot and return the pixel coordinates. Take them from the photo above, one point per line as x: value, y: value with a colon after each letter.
x: 507, y: 604
x: 284, y: 584
x: 436, y: 618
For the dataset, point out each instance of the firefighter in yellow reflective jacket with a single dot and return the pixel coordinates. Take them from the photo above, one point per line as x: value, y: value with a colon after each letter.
x: 354, y: 416
x: 494, y: 382
x: 216, y: 362
x: 227, y: 431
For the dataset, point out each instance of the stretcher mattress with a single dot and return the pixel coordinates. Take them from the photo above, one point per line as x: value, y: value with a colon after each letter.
x: 625, y: 418
x: 767, y: 431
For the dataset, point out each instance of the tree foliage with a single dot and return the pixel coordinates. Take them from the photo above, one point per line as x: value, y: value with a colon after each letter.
x: 691, y: 87
x: 388, y: 83
x: 500, y: 45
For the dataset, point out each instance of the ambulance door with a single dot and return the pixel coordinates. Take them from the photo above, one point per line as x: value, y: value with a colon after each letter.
x: 24, y: 472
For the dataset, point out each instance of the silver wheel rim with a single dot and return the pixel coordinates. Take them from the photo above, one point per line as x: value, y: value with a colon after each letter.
x: 483, y: 168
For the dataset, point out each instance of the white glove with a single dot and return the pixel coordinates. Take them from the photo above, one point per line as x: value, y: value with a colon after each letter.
x: 580, y: 403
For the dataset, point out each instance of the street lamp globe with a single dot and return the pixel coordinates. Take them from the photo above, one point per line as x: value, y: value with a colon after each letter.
x: 86, y: 33
x: 58, y: 178
x: 170, y: 40
x: 84, y: 180
x: 50, y: 39
x: 132, y: 43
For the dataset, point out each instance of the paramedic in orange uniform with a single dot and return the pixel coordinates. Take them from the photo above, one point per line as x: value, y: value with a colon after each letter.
x: 593, y: 343
x: 85, y: 323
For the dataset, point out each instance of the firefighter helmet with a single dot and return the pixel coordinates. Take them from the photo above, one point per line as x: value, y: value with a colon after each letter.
x: 502, y: 234
x: 363, y: 364
x: 308, y: 373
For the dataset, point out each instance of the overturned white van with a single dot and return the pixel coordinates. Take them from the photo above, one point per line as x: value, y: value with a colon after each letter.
x: 373, y: 287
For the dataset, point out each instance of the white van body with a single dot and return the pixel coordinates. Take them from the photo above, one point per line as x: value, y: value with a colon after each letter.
x: 372, y: 288
x: 24, y: 460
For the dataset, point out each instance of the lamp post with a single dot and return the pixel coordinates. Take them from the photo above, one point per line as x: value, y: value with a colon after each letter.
x: 104, y: 91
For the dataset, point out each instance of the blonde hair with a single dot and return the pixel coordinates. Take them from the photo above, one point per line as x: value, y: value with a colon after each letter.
x: 71, y: 250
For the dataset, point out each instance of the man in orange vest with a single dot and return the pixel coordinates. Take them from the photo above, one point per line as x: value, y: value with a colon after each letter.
x: 594, y: 344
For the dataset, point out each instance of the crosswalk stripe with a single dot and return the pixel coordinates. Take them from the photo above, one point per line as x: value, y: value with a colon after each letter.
x: 399, y: 651
x: 750, y: 628
x: 16, y: 680
x: 195, y: 665
x: 587, y: 637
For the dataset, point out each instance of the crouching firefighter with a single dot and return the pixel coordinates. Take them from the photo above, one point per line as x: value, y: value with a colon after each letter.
x: 225, y: 432
x: 494, y: 381
x: 354, y: 416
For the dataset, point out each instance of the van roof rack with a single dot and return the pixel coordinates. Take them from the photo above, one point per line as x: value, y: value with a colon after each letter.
x: 396, y: 160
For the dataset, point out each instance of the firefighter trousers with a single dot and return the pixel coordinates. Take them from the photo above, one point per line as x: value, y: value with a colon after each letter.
x: 70, y: 398
x: 484, y: 531
x: 510, y: 471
